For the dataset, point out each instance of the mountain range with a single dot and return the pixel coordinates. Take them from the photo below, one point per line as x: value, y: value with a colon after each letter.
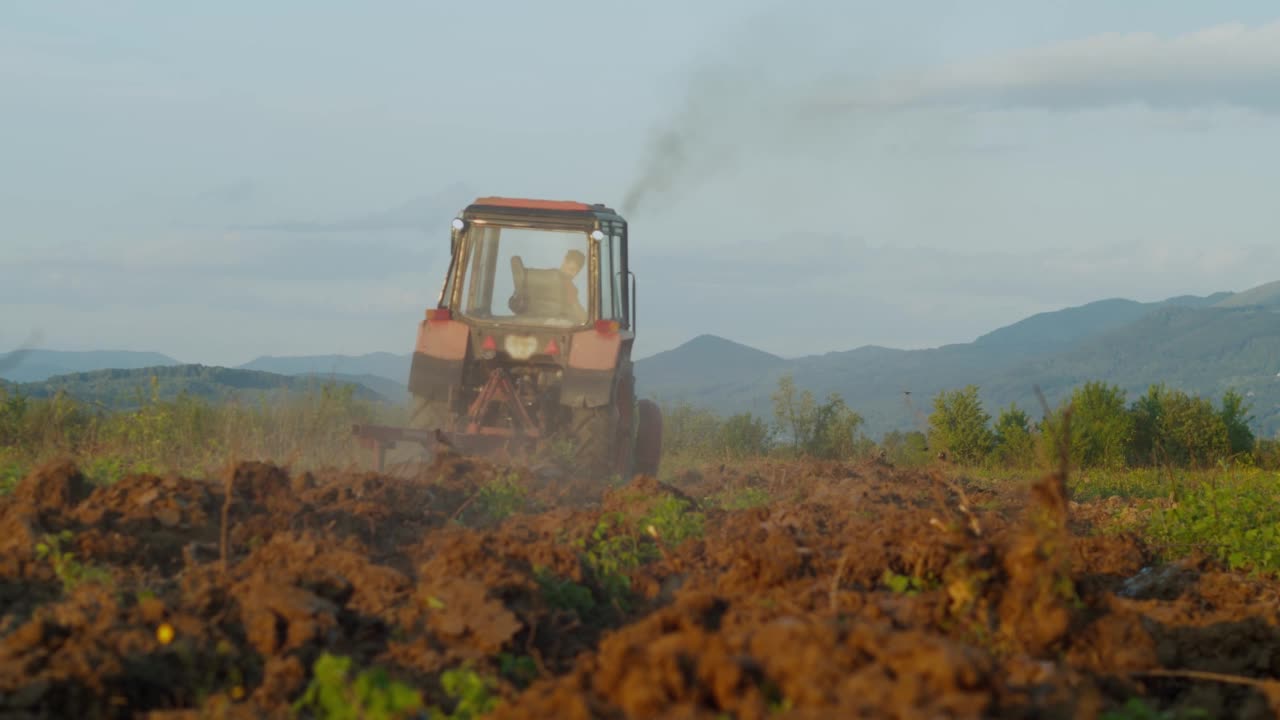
x: 1201, y: 345
x: 1204, y: 345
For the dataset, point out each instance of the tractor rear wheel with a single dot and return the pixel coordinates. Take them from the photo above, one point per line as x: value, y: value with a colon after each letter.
x: 594, y: 433
x: 648, y: 449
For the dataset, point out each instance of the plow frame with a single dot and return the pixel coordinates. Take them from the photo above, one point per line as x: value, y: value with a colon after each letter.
x: 474, y: 437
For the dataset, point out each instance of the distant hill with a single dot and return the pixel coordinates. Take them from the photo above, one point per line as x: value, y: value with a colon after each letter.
x: 393, y: 390
x: 1262, y: 296
x: 384, y: 365
x: 1060, y: 328
x: 1198, y: 344
x: 37, y: 365
x: 1203, y: 351
x: 121, y: 389
x: 707, y: 362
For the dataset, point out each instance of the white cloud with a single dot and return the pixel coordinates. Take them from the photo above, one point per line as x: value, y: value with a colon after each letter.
x: 1232, y: 65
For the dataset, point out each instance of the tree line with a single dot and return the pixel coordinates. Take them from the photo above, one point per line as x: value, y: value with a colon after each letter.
x: 1097, y: 426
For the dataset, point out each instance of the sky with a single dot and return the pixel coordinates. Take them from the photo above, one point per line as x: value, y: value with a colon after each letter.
x: 228, y: 180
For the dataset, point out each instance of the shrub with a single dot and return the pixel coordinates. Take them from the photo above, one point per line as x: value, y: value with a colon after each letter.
x: 958, y: 426
x: 690, y: 432
x: 908, y: 449
x: 830, y: 430
x: 745, y: 435
x: 1235, y: 417
x: 1014, y: 444
x: 1101, y: 426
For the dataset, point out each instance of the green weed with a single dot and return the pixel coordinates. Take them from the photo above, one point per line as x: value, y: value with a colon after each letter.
x: 11, y: 473
x: 616, y: 547
x: 499, y: 499
x: 371, y: 695
x: 1235, y: 518
x: 471, y: 692
x: 520, y: 669
x: 674, y: 521
x: 610, y: 553
x: 69, y: 570
x: 904, y: 584
x: 564, y: 593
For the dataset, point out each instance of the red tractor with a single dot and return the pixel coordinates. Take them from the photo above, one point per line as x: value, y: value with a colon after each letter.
x: 528, y: 348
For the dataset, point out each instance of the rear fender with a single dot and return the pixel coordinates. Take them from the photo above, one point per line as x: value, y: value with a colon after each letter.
x: 438, y: 358
x: 593, y: 364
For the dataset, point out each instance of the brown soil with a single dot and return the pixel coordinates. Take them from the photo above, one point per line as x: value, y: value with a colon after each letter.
x: 855, y: 591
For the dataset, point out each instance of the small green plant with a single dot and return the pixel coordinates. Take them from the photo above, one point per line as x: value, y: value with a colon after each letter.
x: 371, y: 695
x: 471, y: 692
x: 520, y: 669
x: 110, y: 469
x: 500, y: 498
x: 10, y: 475
x: 69, y: 570
x: 564, y: 593
x: 616, y: 547
x: 903, y: 584
x: 673, y: 520
x: 610, y: 553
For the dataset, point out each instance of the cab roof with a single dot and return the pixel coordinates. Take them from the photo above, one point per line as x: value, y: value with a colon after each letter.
x: 510, y: 204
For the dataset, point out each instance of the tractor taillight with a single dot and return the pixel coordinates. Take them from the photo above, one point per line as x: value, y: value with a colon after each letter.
x: 607, y: 327
x: 553, y: 348
x: 438, y: 314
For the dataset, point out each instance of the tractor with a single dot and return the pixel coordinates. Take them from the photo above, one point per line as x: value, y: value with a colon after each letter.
x: 528, y: 348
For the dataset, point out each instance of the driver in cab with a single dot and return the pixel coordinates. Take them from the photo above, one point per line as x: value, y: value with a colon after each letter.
x: 550, y: 292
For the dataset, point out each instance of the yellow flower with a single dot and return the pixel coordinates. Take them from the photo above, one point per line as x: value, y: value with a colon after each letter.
x: 164, y: 633
x: 237, y: 693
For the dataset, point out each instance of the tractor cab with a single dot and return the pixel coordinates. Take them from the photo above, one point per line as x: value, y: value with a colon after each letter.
x: 539, y: 264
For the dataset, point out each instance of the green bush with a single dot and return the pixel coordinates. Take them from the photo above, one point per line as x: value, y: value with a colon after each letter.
x: 1015, y: 446
x: 906, y: 449
x: 831, y: 430
x: 745, y: 435
x: 690, y: 431
x: 1102, y: 428
x: 958, y: 426
x: 1235, y: 416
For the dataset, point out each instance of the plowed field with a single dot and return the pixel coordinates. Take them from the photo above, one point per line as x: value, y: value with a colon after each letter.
x: 778, y: 590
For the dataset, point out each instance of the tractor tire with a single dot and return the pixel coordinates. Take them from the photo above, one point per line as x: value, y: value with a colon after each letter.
x: 648, y: 448
x: 594, y: 433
